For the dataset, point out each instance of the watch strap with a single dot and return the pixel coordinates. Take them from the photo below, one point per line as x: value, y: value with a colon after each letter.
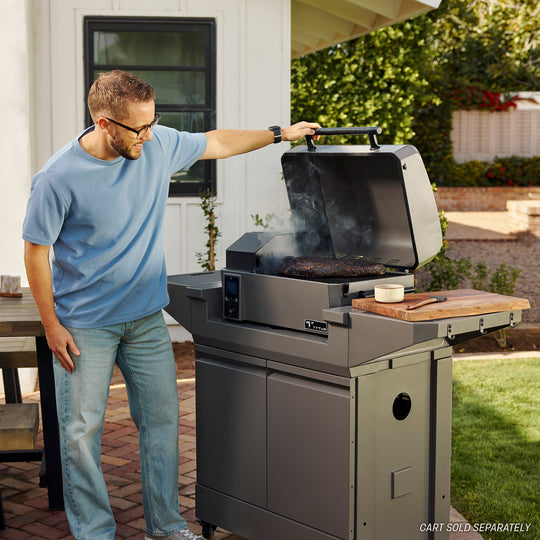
x: 277, y: 133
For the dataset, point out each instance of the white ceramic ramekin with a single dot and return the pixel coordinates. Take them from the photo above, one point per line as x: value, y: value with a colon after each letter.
x: 389, y: 293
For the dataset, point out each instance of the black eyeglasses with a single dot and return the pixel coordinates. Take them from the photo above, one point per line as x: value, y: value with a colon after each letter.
x: 143, y: 130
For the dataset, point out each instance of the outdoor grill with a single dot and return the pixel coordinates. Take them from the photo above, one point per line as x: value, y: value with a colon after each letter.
x: 317, y: 420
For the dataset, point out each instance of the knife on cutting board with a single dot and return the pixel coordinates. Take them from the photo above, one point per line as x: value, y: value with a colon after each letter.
x: 430, y: 300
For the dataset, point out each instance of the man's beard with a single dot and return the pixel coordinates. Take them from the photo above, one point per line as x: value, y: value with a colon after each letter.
x: 124, y: 150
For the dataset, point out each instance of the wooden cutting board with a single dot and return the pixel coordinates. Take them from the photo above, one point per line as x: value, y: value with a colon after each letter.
x: 459, y: 303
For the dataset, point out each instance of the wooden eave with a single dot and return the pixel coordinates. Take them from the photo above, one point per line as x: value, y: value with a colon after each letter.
x: 317, y: 24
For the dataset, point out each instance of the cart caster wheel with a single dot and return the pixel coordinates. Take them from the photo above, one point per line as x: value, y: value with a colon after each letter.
x: 207, y: 529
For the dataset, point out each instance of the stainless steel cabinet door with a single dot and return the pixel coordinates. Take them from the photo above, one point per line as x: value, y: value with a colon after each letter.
x: 311, y: 453
x: 231, y: 429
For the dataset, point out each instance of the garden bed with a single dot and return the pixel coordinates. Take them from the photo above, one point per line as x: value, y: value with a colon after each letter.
x: 519, y: 339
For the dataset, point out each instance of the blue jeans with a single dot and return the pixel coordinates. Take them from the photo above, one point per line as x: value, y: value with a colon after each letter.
x: 142, y: 349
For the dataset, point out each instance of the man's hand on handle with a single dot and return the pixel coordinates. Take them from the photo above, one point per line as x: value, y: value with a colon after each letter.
x: 299, y: 130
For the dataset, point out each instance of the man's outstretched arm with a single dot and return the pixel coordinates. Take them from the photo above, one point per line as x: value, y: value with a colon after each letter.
x: 223, y: 143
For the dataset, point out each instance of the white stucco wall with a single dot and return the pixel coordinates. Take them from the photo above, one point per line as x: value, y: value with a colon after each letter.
x: 14, y: 135
x: 15, y: 143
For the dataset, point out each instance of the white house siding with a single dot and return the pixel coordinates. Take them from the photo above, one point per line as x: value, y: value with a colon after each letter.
x: 15, y: 143
x: 15, y: 133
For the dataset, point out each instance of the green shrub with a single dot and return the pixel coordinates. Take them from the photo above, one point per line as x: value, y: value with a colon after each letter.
x: 207, y: 259
x: 469, y: 174
x: 514, y: 171
x: 502, y: 171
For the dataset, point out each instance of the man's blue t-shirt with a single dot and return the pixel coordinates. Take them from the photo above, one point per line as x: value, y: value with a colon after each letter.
x: 104, y: 220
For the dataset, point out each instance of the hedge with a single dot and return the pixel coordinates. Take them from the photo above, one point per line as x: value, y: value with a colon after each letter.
x: 513, y: 171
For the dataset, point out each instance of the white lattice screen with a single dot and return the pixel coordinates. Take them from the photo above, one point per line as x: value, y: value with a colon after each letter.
x: 483, y: 135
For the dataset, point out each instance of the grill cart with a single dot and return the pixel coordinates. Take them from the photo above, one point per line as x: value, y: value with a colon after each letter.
x: 319, y: 416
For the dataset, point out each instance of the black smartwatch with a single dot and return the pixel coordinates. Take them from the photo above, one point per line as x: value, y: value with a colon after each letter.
x: 277, y: 133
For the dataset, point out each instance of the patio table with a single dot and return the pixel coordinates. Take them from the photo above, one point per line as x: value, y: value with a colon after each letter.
x: 19, y: 318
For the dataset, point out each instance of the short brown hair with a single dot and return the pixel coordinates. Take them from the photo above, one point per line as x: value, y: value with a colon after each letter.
x: 112, y: 90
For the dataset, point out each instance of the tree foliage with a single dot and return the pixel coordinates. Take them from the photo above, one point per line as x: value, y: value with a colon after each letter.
x: 408, y: 78
x: 491, y: 44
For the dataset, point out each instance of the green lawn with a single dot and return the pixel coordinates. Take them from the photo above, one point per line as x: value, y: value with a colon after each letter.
x: 496, y: 444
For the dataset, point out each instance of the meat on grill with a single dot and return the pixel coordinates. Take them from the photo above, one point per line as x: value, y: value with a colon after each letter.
x: 315, y: 267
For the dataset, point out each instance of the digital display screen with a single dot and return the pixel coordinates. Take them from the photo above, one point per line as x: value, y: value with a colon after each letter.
x: 231, y: 286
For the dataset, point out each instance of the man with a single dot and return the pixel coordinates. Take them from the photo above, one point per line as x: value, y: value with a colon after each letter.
x: 100, y: 202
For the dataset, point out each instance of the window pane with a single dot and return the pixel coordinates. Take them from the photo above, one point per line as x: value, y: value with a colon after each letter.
x: 145, y: 48
x: 184, y: 121
x: 174, y: 87
x: 180, y: 87
x: 177, y: 57
x: 194, y: 176
x: 194, y: 123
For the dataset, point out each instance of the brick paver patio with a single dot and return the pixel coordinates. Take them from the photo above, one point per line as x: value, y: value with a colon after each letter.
x: 26, y: 505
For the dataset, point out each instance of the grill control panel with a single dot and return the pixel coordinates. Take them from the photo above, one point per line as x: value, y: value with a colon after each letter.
x: 231, y: 297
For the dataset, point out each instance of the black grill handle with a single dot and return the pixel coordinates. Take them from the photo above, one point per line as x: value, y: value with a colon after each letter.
x: 371, y: 132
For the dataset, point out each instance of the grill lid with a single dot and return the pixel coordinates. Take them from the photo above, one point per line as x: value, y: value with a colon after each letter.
x: 374, y: 202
